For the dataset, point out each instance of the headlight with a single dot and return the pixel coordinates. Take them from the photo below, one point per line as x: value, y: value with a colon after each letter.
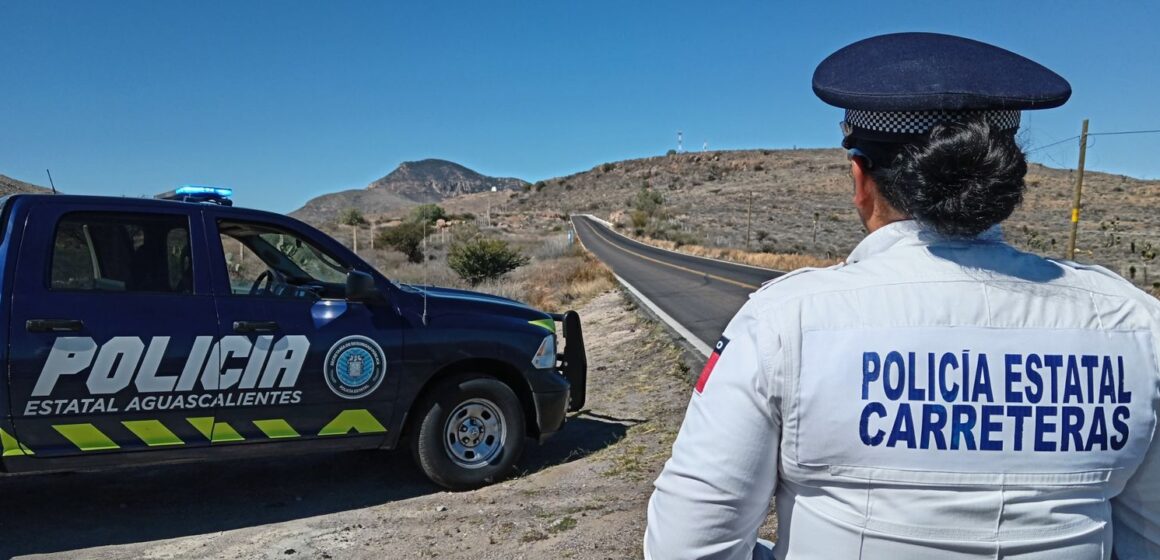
x: 545, y: 357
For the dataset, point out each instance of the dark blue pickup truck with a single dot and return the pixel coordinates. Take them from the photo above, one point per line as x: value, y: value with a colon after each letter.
x: 143, y: 330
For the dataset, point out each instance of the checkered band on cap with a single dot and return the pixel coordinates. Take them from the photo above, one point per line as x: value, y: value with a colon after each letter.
x: 920, y: 122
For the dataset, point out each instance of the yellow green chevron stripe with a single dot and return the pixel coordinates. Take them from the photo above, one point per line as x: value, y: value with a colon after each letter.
x: 86, y: 437
x: 546, y: 323
x: 216, y: 432
x: 11, y: 447
x: 359, y: 420
x: 152, y: 432
x: 276, y: 428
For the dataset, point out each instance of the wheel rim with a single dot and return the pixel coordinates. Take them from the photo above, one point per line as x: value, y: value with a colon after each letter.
x: 475, y: 433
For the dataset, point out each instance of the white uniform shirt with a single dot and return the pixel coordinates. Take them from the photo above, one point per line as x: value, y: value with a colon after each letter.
x: 930, y: 398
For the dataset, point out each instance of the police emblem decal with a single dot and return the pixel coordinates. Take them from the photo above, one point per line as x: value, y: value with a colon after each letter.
x: 355, y: 366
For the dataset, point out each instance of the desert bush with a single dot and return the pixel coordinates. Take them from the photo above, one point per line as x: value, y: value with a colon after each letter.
x: 352, y: 217
x: 483, y: 259
x: 677, y: 237
x: 648, y: 201
x: 428, y: 214
x: 406, y: 238
x: 639, y: 219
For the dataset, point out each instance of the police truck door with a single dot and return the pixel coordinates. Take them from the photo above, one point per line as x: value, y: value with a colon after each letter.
x: 300, y: 361
x: 112, y: 320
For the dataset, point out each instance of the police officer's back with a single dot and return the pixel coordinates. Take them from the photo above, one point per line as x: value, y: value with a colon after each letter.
x: 940, y: 394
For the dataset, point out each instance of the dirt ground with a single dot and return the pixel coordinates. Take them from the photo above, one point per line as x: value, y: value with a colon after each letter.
x: 581, y: 495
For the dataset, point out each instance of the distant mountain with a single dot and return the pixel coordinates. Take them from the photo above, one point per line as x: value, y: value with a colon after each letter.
x: 9, y: 185
x: 413, y: 182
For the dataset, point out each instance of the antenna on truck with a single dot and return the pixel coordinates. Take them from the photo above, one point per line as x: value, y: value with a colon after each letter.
x: 426, y: 278
x: 53, y: 185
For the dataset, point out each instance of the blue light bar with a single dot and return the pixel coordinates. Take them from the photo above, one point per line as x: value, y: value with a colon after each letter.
x: 199, y: 193
x: 199, y: 190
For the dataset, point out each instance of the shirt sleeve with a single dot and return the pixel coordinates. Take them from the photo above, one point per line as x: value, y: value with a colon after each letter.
x: 1136, y: 511
x: 714, y: 492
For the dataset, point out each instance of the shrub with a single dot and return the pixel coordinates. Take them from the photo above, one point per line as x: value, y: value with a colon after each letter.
x: 352, y: 217
x: 428, y: 214
x: 648, y: 201
x: 406, y: 238
x: 639, y: 219
x: 483, y: 259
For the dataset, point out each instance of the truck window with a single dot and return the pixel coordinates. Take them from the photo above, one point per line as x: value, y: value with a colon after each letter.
x: 262, y: 260
x: 122, y: 252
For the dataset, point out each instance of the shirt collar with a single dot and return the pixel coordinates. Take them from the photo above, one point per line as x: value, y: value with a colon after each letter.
x: 911, y: 232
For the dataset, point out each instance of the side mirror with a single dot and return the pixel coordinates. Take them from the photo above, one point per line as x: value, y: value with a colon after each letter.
x: 360, y: 286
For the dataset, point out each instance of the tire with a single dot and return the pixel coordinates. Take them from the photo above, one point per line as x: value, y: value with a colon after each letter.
x: 470, y: 432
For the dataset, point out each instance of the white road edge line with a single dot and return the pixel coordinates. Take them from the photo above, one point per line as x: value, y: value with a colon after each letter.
x: 668, y: 320
x: 612, y: 229
x: 686, y: 334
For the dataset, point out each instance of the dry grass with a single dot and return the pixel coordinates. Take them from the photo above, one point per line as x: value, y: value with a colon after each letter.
x: 565, y: 282
x: 776, y: 261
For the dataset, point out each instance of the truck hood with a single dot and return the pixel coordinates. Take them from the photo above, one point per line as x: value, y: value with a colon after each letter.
x: 441, y: 300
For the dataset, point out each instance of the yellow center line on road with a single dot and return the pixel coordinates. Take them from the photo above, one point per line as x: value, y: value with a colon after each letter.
x: 678, y: 267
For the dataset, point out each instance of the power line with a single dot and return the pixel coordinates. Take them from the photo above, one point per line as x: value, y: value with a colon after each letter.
x: 1056, y: 143
x: 1156, y: 131
x: 1113, y: 133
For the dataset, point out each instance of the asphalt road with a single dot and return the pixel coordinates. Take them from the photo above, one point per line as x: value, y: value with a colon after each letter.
x: 699, y: 295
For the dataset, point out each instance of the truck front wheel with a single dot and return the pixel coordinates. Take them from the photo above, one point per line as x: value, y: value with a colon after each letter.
x: 470, y: 432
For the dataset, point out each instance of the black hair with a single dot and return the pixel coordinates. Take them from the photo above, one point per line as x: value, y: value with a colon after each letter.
x: 963, y: 178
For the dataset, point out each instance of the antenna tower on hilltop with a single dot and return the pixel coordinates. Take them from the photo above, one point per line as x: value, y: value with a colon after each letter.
x: 680, y: 142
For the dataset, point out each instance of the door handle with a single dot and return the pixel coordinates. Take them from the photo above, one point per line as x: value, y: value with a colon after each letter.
x: 54, y: 325
x: 255, y: 326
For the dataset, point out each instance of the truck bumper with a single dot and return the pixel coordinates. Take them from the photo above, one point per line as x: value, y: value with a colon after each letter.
x: 565, y: 389
x: 574, y: 359
x: 551, y: 411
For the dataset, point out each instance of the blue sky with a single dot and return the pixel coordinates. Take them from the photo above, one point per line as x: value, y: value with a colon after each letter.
x: 287, y: 100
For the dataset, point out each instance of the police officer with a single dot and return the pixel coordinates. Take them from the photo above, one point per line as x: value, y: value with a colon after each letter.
x: 940, y: 394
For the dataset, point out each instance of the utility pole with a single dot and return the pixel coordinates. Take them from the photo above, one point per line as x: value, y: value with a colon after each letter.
x: 749, y: 220
x: 1078, y: 192
x: 489, y: 208
x: 816, y: 216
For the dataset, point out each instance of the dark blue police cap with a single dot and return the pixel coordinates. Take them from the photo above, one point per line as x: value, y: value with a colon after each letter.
x: 896, y: 87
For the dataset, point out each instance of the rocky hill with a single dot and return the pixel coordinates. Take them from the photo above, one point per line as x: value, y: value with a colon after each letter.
x: 800, y: 201
x: 9, y: 185
x: 413, y: 182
